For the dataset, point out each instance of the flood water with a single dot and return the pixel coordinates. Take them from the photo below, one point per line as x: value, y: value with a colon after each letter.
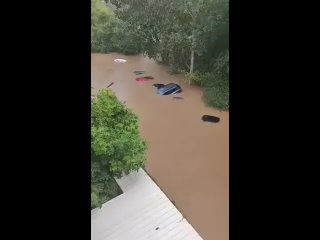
x: 187, y: 158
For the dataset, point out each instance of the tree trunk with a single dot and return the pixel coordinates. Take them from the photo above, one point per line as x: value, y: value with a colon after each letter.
x: 191, y: 61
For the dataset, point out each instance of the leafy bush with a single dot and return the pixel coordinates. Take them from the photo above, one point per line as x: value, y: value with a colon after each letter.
x: 215, y: 83
x: 95, y: 202
x: 221, y: 65
x: 216, y: 92
x: 196, y: 78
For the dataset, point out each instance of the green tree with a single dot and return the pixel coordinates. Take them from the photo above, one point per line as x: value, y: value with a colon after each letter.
x: 109, y: 33
x: 103, y: 23
x: 116, y: 146
x: 181, y: 32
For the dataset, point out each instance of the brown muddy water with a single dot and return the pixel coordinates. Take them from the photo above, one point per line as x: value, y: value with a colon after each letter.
x: 188, y: 158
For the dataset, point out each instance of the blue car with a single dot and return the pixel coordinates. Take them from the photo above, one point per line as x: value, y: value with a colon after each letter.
x: 171, y: 88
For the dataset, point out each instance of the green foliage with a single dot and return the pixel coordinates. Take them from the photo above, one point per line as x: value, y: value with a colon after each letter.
x: 221, y: 65
x: 125, y: 39
x: 215, y: 88
x: 215, y: 84
x: 110, y: 34
x: 196, y: 78
x: 216, y: 92
x: 116, y: 146
x: 102, y: 21
x: 95, y: 201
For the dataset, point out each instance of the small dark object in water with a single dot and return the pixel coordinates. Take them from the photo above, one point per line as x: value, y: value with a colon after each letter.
x: 110, y: 85
x: 143, y: 79
x: 208, y: 118
x: 158, y: 85
x: 178, y: 98
x: 140, y: 79
x: 157, y: 228
x: 139, y: 72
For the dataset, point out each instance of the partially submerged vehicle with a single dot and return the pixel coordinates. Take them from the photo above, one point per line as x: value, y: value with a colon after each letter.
x: 209, y: 118
x: 171, y: 88
x: 143, y: 79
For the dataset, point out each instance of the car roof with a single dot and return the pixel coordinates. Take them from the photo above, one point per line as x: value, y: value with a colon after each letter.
x: 168, y: 87
x: 171, y: 85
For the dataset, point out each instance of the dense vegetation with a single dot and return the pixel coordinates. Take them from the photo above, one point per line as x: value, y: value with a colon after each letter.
x: 116, y: 146
x: 109, y: 33
x: 191, y: 36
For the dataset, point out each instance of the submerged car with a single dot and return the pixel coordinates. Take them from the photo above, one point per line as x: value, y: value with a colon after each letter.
x: 171, y: 88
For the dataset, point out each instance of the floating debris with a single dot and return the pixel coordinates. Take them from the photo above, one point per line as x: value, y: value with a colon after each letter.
x: 119, y: 60
x: 181, y: 98
x: 139, y: 72
x: 110, y: 85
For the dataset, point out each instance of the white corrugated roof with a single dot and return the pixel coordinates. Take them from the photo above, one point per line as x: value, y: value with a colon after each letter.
x: 142, y: 212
